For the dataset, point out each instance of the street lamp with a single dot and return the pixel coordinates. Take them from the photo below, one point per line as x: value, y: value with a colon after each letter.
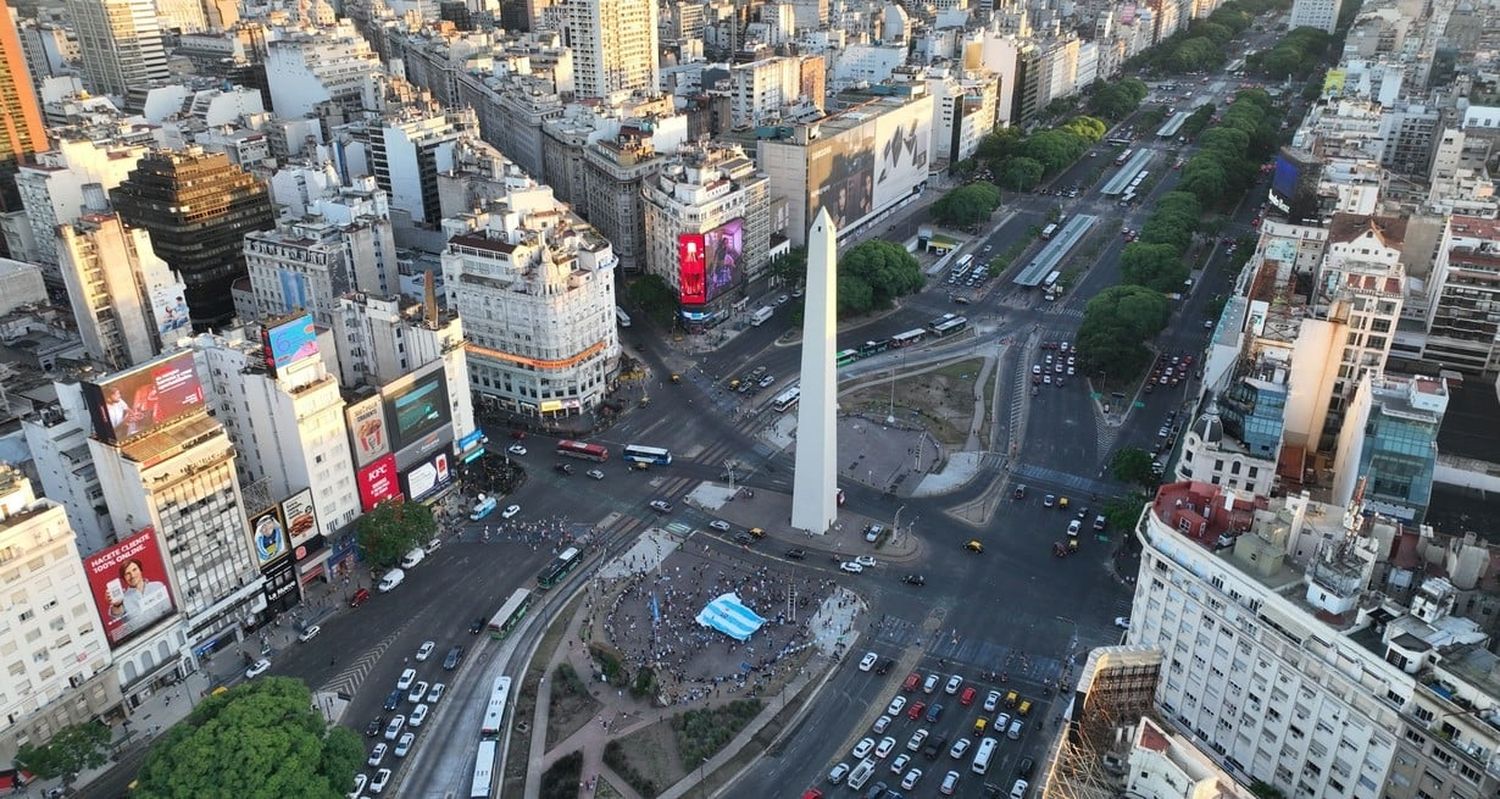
x: 702, y: 787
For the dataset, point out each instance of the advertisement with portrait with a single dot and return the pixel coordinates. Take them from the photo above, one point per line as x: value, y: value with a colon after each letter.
x: 268, y: 537
x: 300, y: 516
x: 841, y: 175
x: 902, y: 139
x: 377, y: 482
x: 133, y: 403
x: 428, y: 477
x: 691, y: 277
x: 723, y: 257
x: 130, y: 586
x: 171, y: 311
x: 288, y: 342
x: 416, y: 405
x: 367, y: 434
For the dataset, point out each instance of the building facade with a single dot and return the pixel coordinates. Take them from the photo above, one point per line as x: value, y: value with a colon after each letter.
x: 614, y: 46
x: 120, y: 42
x: 21, y: 130
x: 127, y: 301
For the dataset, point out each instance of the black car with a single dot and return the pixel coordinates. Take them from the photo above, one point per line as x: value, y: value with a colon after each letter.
x: 1019, y: 492
x: 935, y: 744
x: 451, y: 661
x: 393, y: 700
x: 743, y: 539
x: 476, y: 626
x: 884, y: 667
x: 914, y: 579
x: 1024, y: 768
x: 796, y: 554
x: 565, y: 469
x: 375, y: 726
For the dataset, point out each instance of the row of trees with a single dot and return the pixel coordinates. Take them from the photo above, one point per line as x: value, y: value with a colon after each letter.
x: 967, y: 205
x: 1201, y: 47
x: 873, y: 273
x: 1114, y: 101
x: 1230, y: 153
x: 1297, y: 55
x: 1020, y: 162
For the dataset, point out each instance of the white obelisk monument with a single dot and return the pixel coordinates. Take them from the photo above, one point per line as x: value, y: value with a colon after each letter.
x: 815, y: 486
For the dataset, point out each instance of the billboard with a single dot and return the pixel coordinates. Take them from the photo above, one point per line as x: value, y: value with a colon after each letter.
x: 416, y: 406
x: 841, y: 175
x: 171, y: 311
x: 724, y: 256
x: 902, y: 139
x: 691, y: 276
x: 1294, y: 185
x: 268, y: 537
x: 300, y: 517
x: 367, y: 430
x: 129, y: 404
x: 427, y: 478
x: 377, y: 482
x: 1288, y: 175
x: 130, y: 586
x: 289, y: 342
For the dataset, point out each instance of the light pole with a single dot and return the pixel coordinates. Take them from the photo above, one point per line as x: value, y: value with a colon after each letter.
x: 702, y: 787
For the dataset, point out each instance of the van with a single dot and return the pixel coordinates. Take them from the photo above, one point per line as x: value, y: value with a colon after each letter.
x: 392, y: 578
x: 761, y: 314
x: 861, y: 774
x: 484, y: 507
x: 983, y: 754
x: 413, y: 558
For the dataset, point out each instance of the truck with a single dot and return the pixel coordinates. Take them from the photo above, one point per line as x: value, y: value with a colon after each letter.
x: 484, y: 507
x: 761, y: 315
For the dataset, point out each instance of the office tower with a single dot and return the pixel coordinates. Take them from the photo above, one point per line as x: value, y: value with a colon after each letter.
x: 21, y: 129
x: 120, y: 43
x: 614, y: 46
x: 198, y: 207
x: 126, y: 300
x: 815, y: 482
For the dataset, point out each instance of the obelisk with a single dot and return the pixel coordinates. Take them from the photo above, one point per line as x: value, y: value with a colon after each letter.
x: 815, y: 486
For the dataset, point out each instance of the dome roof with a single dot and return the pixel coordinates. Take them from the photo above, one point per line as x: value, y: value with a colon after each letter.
x: 1208, y: 427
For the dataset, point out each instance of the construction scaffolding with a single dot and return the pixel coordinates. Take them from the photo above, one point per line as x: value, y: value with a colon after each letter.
x: 1115, y: 688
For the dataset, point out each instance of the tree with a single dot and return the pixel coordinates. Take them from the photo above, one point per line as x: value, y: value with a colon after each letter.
x: 392, y: 529
x: 1156, y: 266
x: 790, y: 269
x: 656, y: 299
x: 1131, y: 465
x: 1123, y: 513
x: 260, y: 739
x: 1021, y: 173
x: 855, y: 296
x: 1117, y: 322
x: 883, y: 268
x: 967, y: 205
x: 71, y: 750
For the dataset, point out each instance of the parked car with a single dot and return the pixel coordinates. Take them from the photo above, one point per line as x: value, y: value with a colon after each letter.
x: 450, y: 662
x: 425, y: 650
x: 403, y: 746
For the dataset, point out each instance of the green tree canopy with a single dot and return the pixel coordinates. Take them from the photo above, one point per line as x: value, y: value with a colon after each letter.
x: 1155, y: 266
x: 998, y: 143
x: 259, y: 740
x: 1116, y: 325
x: 1131, y: 465
x: 875, y: 272
x: 1021, y: 173
x: 71, y: 750
x: 791, y: 268
x: 967, y: 205
x: 654, y: 297
x: 392, y: 529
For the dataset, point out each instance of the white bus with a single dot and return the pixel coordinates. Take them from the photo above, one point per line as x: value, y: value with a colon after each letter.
x: 787, y: 400
x: 643, y: 454
x: 484, y: 771
x: 622, y: 317
x: 494, y: 712
x: 908, y: 338
x: 1049, y: 231
x: 965, y: 262
x: 982, y: 756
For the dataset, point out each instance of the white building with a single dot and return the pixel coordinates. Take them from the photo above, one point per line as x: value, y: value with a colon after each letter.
x: 614, y: 46
x: 1320, y: 14
x: 57, y: 438
x: 120, y: 44
x: 1164, y: 765
x: 127, y: 301
x: 56, y: 660
x: 535, y: 288
x: 309, y: 263
x: 307, y: 68
x: 966, y: 108
x: 56, y: 190
x: 759, y: 90
x: 407, y: 148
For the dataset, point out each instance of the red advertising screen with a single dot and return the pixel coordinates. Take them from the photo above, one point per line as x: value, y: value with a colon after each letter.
x: 692, y: 277
x: 133, y: 403
x: 378, y: 482
x: 130, y: 586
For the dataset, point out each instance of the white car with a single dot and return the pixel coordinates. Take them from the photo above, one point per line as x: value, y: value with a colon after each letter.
x: 991, y: 701
x: 510, y: 510
x: 899, y: 763
x: 954, y: 683
x: 360, y: 781
x: 376, y: 755
x: 720, y: 525
x: 930, y: 684
x: 837, y: 774
x: 425, y: 650
x: 1074, y: 527
x: 950, y: 783
x: 436, y: 693
x: 915, y: 744
x: 382, y: 777
x: 884, y: 748
x: 407, y: 678
x: 393, y: 729
x: 516, y: 449
x: 257, y: 668
x: 863, y: 748
x: 418, y: 715
x: 867, y: 561
x: 868, y: 661
x: 880, y: 724
x: 960, y: 746
x: 418, y: 693
x: 1018, y: 791
x: 403, y: 746
x: 310, y: 633
x: 894, y: 708
x: 910, y: 781
x: 595, y: 473
x: 1123, y: 622
x: 851, y: 567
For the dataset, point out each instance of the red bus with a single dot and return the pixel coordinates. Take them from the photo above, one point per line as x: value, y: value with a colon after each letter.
x: 578, y: 449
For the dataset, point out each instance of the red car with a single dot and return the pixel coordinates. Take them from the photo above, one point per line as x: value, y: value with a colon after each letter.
x: 912, y: 681
x: 360, y: 597
x: 916, y: 709
x: 967, y: 697
x: 812, y: 793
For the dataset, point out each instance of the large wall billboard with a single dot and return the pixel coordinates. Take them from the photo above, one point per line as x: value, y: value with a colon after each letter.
x: 902, y: 139
x: 134, y: 403
x: 289, y: 342
x: 268, y: 538
x: 171, y: 311
x: 724, y: 255
x: 130, y: 586
x: 367, y: 430
x: 378, y: 482
x: 416, y: 406
x: 841, y: 175
x: 300, y: 516
x: 691, y: 274
x: 427, y: 478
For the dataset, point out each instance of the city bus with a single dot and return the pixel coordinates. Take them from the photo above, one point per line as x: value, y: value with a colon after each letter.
x: 484, y: 770
x: 644, y: 454
x: 1139, y: 179
x: 965, y: 262
x: 845, y: 357
x: 1119, y: 141
x: 622, y: 317
x: 787, y: 400
x: 577, y: 449
x: 1123, y: 157
x: 908, y: 338
x: 494, y: 712
x: 948, y: 328
x: 1049, y: 231
x: 939, y: 320
x: 510, y: 614
x: 559, y: 568
x: 874, y: 347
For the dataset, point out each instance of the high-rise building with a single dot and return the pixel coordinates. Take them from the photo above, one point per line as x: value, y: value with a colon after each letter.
x: 614, y: 46
x: 198, y: 208
x: 307, y: 68
x: 21, y: 130
x: 127, y: 301
x: 408, y: 147
x: 614, y: 169
x: 308, y: 265
x: 1463, y: 333
x: 57, y: 661
x: 1387, y: 451
x: 1320, y: 14
x: 120, y: 42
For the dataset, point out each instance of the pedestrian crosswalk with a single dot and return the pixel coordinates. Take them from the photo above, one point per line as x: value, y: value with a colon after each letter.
x: 347, y: 682
x: 1055, y: 478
